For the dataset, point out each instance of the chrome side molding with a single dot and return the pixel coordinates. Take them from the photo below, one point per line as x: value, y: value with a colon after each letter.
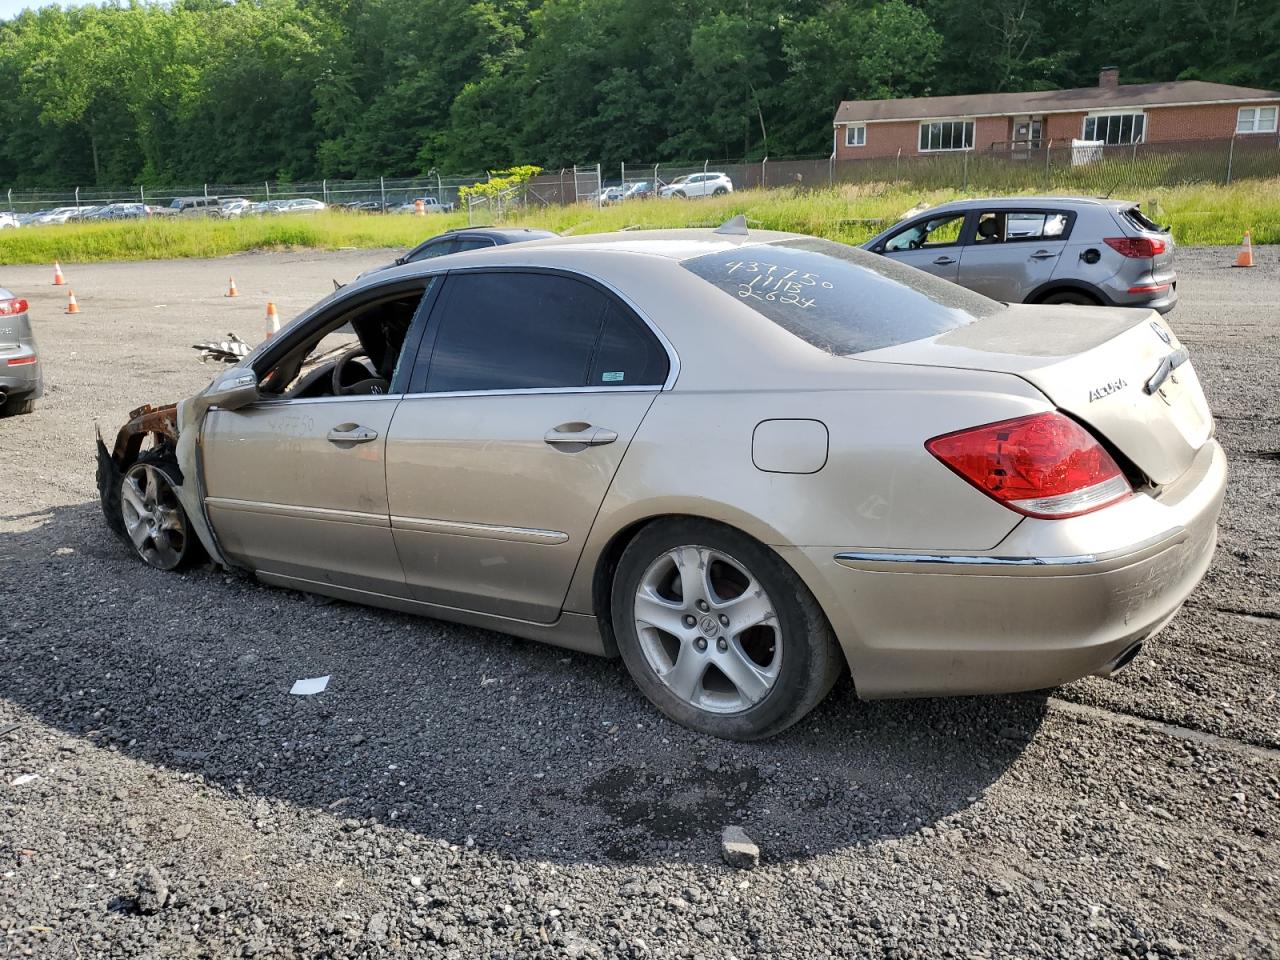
x: 966, y: 560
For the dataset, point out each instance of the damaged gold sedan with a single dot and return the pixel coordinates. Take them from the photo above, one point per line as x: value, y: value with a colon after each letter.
x: 743, y: 462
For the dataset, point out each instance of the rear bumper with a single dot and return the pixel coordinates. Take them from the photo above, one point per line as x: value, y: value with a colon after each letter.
x: 1056, y: 601
x: 1161, y: 301
x: 23, y: 381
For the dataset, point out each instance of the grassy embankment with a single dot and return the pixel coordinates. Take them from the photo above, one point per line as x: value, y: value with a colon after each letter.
x: 851, y: 213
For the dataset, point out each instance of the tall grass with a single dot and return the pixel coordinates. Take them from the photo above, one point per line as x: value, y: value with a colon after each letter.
x: 850, y: 212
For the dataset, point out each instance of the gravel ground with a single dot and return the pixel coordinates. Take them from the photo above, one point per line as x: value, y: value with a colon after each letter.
x: 457, y: 793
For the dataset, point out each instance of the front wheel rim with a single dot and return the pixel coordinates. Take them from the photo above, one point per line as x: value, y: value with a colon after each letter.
x: 152, y: 516
x: 708, y: 629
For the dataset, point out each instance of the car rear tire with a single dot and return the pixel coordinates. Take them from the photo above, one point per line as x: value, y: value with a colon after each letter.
x: 153, y: 518
x: 718, y: 632
x: 16, y: 408
x: 1072, y: 296
x: 719, y: 192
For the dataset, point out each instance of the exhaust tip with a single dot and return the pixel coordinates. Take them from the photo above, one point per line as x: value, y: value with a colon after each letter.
x: 1120, y: 662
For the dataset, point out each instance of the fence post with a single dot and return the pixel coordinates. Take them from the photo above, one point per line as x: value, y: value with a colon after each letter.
x: 897, y: 166
x: 1231, y: 155
x: 267, y: 187
x: 599, y: 188
x: 324, y: 190
x: 655, y: 180
x: 763, y: 182
x: 142, y: 194
x: 965, y: 187
x: 1048, y: 175
x: 704, y: 165
x: 831, y: 170
x: 382, y: 188
x: 77, y: 198
x: 564, y: 197
x: 206, y: 191
x: 11, y: 198
x: 624, y: 174
x: 575, y: 183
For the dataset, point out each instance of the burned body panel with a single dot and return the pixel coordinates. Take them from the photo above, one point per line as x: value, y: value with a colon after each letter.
x: 157, y: 428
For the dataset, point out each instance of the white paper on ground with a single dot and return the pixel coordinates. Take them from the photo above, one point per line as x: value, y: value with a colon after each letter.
x: 304, y: 688
x: 24, y: 779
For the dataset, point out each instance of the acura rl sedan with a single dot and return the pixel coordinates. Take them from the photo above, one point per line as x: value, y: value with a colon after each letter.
x: 743, y: 462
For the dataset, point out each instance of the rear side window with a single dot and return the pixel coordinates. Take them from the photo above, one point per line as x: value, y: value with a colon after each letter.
x: 627, y: 354
x: 838, y: 298
x: 472, y: 243
x: 999, y: 226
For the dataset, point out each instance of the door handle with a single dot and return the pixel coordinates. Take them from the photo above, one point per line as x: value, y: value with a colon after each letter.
x: 351, y: 433
x: 1043, y: 255
x: 579, y: 434
x: 944, y: 261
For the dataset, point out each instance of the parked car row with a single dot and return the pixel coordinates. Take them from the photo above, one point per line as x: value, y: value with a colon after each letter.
x: 681, y: 188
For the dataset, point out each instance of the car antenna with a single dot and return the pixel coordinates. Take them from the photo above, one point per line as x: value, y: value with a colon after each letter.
x: 734, y: 226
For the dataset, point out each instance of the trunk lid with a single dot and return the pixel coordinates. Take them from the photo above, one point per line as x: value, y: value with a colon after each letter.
x: 1102, y: 366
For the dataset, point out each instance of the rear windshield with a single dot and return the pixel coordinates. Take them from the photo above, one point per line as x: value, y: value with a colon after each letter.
x: 838, y: 298
x: 1142, y: 221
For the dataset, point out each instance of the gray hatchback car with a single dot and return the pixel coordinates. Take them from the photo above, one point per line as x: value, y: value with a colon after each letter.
x: 1041, y: 250
x: 21, y: 383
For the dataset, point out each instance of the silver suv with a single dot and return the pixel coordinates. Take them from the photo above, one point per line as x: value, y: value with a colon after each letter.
x: 1041, y: 250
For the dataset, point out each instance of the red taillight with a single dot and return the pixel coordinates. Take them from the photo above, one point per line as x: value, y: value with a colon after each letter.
x: 1136, y: 247
x: 1149, y: 288
x: 1044, y: 465
x: 20, y: 361
x: 11, y: 308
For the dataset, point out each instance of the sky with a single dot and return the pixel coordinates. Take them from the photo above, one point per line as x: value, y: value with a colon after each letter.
x: 11, y: 8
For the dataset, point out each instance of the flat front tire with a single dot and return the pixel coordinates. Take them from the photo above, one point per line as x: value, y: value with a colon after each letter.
x: 718, y: 632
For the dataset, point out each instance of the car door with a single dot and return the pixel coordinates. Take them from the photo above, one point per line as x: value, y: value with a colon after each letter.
x: 1014, y: 252
x: 930, y: 243
x: 526, y: 392
x: 295, y: 485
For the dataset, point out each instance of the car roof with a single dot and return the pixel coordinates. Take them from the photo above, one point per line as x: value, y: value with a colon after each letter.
x: 554, y: 250
x: 1031, y: 202
x: 498, y: 233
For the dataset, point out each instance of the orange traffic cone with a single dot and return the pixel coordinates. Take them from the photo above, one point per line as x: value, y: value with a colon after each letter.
x: 1245, y: 257
x: 72, y: 306
x: 58, y: 278
x: 231, y: 290
x: 273, y: 320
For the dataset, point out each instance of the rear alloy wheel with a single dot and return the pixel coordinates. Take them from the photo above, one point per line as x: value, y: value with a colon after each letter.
x: 718, y: 632
x: 720, y: 191
x: 1067, y: 296
x: 153, y: 518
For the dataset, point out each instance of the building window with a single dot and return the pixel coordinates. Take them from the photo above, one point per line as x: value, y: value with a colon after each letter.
x: 946, y: 135
x: 1256, y: 120
x: 855, y: 135
x: 1113, y: 128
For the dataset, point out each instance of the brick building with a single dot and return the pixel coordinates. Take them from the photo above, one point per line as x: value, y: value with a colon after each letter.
x: 1111, y: 113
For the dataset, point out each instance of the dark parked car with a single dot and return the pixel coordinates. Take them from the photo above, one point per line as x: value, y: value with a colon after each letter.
x: 21, y: 383
x: 1041, y: 250
x: 457, y: 241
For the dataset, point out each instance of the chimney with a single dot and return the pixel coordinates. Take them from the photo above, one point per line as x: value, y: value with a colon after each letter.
x: 1109, y: 77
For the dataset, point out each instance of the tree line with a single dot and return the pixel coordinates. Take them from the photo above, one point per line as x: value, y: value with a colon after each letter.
x: 221, y: 91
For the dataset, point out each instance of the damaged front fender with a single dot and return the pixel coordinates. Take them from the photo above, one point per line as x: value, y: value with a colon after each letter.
x: 173, y: 428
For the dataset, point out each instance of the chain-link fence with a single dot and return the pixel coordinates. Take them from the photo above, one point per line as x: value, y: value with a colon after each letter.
x: 1059, y: 167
